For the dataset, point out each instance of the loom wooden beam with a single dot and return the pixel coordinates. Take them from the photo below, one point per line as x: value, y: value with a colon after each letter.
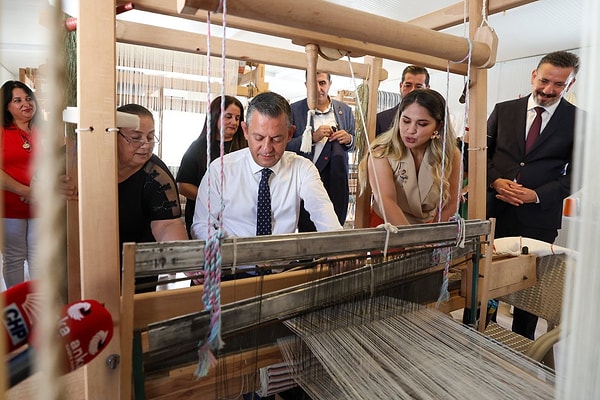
x: 172, y: 257
x: 355, y: 47
x: 30, y: 387
x: 241, y: 373
x: 450, y: 16
x: 255, y: 75
x: 97, y: 182
x: 381, y: 30
x: 454, y: 15
x: 189, y: 42
x: 254, y: 81
x: 437, y: 20
x: 159, y: 306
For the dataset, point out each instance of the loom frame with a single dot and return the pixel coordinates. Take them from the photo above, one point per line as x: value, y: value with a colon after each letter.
x: 143, y: 259
x: 97, y: 231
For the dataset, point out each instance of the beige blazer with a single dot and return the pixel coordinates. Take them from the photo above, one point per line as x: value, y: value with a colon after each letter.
x: 417, y: 196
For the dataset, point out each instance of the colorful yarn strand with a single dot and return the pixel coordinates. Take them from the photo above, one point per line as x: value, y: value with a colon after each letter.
x: 444, y: 293
x: 212, y: 303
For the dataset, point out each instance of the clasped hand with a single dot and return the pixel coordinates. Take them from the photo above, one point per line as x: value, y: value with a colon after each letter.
x: 513, y: 193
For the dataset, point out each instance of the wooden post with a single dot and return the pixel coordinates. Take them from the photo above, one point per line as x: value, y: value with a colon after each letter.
x: 363, y: 202
x: 312, y: 54
x: 97, y: 181
x: 478, y: 159
x: 73, y: 265
x: 477, y: 128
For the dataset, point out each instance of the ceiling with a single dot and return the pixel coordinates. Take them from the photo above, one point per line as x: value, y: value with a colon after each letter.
x: 528, y: 30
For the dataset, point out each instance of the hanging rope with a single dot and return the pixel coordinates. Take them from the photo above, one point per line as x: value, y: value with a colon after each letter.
x: 387, y: 226
x: 460, y: 234
x: 362, y: 97
x: 211, y: 296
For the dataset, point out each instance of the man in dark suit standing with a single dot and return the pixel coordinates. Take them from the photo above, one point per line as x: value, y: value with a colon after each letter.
x: 529, y: 168
x: 332, y: 137
x: 413, y: 77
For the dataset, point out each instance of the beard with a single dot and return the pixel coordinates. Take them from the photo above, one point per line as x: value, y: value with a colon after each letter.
x: 545, y: 100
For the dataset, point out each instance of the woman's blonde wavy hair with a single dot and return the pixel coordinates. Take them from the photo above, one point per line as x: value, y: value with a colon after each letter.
x: 389, y: 144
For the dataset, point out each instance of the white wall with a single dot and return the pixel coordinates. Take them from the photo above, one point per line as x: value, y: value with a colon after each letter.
x: 5, y: 75
x: 512, y: 79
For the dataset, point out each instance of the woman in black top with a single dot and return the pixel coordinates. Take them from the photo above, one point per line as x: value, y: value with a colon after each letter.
x: 149, y: 208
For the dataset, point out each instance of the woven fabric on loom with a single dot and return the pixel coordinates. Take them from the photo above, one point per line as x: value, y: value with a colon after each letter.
x: 405, y: 352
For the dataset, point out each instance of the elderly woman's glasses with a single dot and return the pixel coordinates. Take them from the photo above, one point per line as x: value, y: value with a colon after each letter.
x: 137, y: 143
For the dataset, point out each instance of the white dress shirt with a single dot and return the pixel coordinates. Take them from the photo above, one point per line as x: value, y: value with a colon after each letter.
x: 531, y: 113
x: 326, y: 117
x: 294, y: 178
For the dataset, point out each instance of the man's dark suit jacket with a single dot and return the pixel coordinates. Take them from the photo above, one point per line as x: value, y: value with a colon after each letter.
x: 385, y: 119
x: 332, y: 163
x: 545, y: 169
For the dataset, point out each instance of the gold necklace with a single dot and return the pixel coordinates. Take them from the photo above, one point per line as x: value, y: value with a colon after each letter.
x: 25, y: 139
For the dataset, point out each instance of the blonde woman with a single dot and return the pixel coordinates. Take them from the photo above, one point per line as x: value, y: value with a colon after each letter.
x: 404, y: 166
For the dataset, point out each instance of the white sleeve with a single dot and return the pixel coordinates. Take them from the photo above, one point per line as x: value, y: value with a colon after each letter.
x: 200, y: 223
x: 316, y: 199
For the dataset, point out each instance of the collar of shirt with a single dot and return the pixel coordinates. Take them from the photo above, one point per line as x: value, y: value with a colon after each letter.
x: 531, y: 104
x: 549, y: 111
x: 256, y: 169
x: 327, y: 111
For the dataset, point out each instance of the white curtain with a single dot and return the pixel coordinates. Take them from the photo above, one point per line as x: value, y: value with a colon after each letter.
x: 174, y: 86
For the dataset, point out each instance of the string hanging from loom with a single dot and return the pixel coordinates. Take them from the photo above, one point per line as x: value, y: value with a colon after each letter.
x: 211, y: 296
x: 460, y: 235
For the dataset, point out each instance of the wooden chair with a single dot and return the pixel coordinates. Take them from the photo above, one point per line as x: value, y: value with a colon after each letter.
x: 543, y: 299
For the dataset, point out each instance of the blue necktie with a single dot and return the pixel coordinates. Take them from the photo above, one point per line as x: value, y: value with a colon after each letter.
x: 263, y: 215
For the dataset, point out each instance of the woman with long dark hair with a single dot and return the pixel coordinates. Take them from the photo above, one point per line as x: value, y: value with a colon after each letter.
x: 19, y: 144
x: 193, y: 163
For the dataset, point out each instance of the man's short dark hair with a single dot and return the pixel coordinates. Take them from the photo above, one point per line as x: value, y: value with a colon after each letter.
x: 416, y: 70
x: 318, y: 72
x: 271, y: 105
x: 561, y: 59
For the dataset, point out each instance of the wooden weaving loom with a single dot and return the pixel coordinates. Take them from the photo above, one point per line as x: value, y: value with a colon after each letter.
x: 169, y: 324
x: 96, y: 106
